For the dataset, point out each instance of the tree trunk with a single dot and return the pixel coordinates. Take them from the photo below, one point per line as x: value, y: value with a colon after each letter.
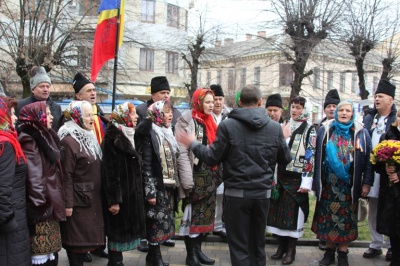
x: 361, y: 79
x: 387, y: 68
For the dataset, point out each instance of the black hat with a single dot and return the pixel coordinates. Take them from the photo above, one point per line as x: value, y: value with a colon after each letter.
x: 216, y: 88
x: 274, y: 100
x: 332, y: 97
x: 386, y: 87
x: 79, y: 82
x: 159, y: 84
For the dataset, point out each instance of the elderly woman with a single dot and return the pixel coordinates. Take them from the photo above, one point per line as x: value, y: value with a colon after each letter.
x: 45, y: 200
x: 123, y: 200
x: 389, y: 197
x: 14, y: 235
x: 159, y: 148
x: 83, y: 231
x: 198, y: 180
x: 343, y: 174
x: 289, y: 212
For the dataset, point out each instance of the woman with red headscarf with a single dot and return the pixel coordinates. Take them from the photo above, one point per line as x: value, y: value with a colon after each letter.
x: 198, y: 181
x: 14, y: 235
x: 45, y: 200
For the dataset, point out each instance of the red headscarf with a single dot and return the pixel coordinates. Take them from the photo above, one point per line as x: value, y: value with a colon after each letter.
x: 199, y: 115
x: 8, y: 133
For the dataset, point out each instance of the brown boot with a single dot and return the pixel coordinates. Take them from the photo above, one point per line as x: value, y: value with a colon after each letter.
x: 282, y: 248
x: 291, y: 251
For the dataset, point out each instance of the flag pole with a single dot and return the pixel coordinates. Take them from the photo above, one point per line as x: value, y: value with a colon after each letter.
x: 115, y: 62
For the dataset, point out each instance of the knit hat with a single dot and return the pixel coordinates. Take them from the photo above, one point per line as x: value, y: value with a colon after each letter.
x: 216, y: 88
x: 386, y: 87
x: 79, y: 82
x: 39, y: 76
x: 274, y: 100
x: 332, y: 97
x: 159, y: 84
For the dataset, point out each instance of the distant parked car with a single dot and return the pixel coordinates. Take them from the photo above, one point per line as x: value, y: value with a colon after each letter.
x: 182, y: 107
x: 106, y: 105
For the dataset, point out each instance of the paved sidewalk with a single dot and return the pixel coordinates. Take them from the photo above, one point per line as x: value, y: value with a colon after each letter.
x: 307, y: 255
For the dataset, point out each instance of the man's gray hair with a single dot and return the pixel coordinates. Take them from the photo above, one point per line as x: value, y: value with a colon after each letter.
x: 250, y: 95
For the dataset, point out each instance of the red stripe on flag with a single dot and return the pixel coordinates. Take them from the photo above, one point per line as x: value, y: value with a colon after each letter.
x: 104, y: 45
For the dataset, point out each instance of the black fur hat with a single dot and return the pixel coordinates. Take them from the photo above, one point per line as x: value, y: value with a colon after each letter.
x: 159, y: 84
x: 79, y: 82
x: 274, y: 100
x: 332, y: 97
x: 216, y: 88
x: 386, y: 87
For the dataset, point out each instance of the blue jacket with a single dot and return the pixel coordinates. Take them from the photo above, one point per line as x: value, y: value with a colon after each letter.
x: 362, y: 167
x: 369, y: 119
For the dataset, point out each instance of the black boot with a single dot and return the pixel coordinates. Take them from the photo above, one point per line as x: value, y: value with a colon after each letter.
x: 329, y: 257
x: 291, y: 251
x: 342, y: 258
x: 75, y: 259
x: 154, y: 257
x: 282, y: 248
x: 115, y: 258
x: 191, y: 258
x: 200, y: 255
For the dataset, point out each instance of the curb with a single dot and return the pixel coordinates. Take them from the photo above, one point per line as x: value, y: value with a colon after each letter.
x: 272, y: 240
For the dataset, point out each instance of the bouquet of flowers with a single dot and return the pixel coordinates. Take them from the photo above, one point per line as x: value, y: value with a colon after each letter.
x: 387, y: 151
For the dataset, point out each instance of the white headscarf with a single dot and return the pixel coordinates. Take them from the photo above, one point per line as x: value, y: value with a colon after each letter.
x: 306, y: 115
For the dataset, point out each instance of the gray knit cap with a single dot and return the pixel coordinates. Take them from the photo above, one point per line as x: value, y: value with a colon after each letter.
x: 39, y: 77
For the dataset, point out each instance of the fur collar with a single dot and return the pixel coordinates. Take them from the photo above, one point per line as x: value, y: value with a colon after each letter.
x: 120, y: 141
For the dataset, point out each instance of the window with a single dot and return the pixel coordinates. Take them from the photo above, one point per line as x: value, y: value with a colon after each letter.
x: 285, y: 75
x: 146, y: 59
x: 375, y: 84
x: 342, y: 81
x: 219, y: 74
x: 354, y: 83
x: 330, y: 80
x: 173, y: 16
x: 230, y: 80
x: 148, y: 11
x: 208, y: 78
x: 257, y: 74
x: 317, y: 78
x: 88, y: 7
x: 84, y: 57
x: 171, y: 62
x: 243, y: 77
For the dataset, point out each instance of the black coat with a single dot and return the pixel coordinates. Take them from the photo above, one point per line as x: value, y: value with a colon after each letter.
x: 122, y: 184
x: 14, y: 235
x: 388, y: 215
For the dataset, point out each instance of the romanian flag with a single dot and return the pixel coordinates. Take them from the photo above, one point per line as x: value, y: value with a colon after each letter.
x: 105, y: 38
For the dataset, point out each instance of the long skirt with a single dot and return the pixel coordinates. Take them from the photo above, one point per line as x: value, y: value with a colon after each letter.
x: 335, y: 217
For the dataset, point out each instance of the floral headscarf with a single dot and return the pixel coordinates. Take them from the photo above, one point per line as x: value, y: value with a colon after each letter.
x: 75, y: 127
x: 199, y: 115
x: 121, y: 118
x: 33, y: 121
x: 156, y: 114
x: 8, y: 133
x: 34, y: 112
x: 121, y: 114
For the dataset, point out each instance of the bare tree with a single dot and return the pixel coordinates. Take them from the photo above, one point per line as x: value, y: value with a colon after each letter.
x: 45, y: 33
x: 307, y: 23
x: 362, y: 29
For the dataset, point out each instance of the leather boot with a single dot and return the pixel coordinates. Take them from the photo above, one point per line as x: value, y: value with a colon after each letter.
x: 282, y: 248
x: 115, y: 258
x: 329, y: 257
x: 291, y: 251
x: 75, y: 259
x: 191, y: 258
x: 342, y: 258
x: 200, y: 255
x: 154, y: 257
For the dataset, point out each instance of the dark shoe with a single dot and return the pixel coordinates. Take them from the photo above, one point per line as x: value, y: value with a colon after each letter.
x: 291, y: 251
x: 282, y: 248
x: 322, y: 245
x: 220, y: 233
x: 87, y: 257
x: 100, y: 253
x: 115, y: 258
x: 329, y: 257
x: 154, y: 257
x: 200, y: 255
x: 342, y: 258
x: 372, y: 253
x: 168, y: 243
x: 388, y: 256
x: 143, y: 247
x: 191, y: 257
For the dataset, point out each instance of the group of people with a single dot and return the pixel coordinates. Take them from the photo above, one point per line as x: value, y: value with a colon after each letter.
x: 82, y: 181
